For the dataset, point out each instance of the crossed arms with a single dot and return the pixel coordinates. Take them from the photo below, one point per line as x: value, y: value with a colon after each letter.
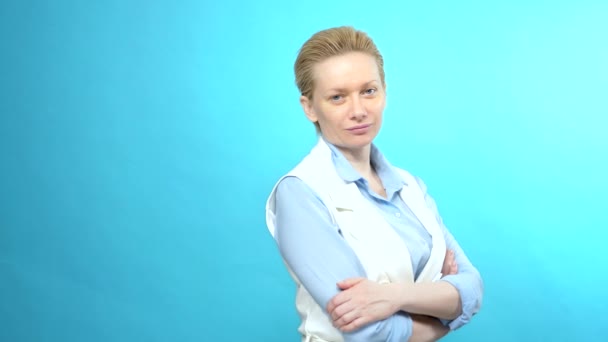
x: 362, y: 309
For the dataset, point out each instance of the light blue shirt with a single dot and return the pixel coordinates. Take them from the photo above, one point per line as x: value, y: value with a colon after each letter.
x: 320, y: 257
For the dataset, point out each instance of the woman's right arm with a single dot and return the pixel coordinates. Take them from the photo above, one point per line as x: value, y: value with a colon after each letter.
x: 427, y: 329
x: 317, y: 254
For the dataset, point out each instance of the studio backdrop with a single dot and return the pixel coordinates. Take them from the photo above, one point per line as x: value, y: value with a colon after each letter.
x: 139, y: 141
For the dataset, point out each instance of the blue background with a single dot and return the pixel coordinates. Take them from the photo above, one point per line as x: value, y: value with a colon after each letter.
x: 139, y: 140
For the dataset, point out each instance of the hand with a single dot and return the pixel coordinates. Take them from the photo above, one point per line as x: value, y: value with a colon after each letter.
x: 361, y: 302
x: 449, y: 264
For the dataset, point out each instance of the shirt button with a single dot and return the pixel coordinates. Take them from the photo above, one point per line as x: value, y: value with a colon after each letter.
x: 398, y: 214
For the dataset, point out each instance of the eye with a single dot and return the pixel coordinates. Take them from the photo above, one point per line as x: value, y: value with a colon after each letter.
x: 370, y: 91
x: 336, y: 98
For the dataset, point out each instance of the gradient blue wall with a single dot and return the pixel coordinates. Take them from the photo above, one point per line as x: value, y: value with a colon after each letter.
x: 139, y: 140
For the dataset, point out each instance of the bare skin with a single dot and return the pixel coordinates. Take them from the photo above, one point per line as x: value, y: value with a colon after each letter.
x: 368, y: 302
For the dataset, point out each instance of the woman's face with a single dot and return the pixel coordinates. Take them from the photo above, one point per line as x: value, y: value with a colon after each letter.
x: 348, y: 100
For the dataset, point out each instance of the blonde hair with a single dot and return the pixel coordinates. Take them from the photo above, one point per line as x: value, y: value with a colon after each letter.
x: 328, y: 43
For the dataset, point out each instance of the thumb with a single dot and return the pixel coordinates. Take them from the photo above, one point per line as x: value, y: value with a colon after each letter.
x: 350, y: 282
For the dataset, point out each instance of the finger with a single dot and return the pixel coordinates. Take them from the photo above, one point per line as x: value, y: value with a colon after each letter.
x: 350, y: 282
x: 342, y: 310
x: 454, y: 268
x: 356, y: 324
x: 345, y: 319
x: 449, y: 256
x: 339, y: 299
x: 446, y: 263
x: 331, y: 306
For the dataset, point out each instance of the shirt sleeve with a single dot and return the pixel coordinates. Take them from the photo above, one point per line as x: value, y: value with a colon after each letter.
x: 467, y: 281
x: 313, y: 248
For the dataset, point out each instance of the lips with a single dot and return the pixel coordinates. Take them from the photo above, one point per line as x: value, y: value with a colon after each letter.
x: 359, y: 129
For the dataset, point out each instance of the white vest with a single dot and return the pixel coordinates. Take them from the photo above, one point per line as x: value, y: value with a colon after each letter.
x: 378, y: 246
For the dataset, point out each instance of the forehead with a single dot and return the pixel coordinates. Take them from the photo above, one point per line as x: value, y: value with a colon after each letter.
x: 346, y: 71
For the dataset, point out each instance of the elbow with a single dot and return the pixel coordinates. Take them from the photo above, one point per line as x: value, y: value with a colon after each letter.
x: 471, y: 304
x: 457, y: 312
x: 477, y: 297
x: 471, y: 298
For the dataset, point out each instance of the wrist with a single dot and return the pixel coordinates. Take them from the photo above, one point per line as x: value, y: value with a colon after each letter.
x: 401, y: 295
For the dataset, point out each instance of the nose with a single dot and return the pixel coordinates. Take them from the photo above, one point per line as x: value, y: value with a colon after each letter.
x: 358, y: 111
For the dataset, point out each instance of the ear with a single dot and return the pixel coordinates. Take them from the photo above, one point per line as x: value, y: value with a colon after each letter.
x: 306, y: 104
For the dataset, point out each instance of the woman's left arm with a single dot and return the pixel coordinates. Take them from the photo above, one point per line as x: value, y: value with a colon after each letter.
x: 467, y: 282
x: 454, y: 298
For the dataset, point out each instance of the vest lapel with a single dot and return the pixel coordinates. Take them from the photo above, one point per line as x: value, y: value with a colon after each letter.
x: 380, y: 249
x: 413, y: 197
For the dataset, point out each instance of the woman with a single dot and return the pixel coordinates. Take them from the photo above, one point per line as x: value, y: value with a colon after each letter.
x: 362, y: 239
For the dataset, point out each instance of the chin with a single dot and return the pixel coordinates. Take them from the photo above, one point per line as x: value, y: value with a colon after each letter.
x: 360, y: 141
x: 351, y: 141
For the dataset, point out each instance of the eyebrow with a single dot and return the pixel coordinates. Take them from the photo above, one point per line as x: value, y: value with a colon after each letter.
x: 366, y: 84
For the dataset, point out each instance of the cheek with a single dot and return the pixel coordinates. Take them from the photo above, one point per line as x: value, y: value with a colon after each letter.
x: 330, y: 114
x: 378, y: 105
x: 378, y: 111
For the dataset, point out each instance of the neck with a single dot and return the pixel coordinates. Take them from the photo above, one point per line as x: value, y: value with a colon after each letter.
x: 360, y: 159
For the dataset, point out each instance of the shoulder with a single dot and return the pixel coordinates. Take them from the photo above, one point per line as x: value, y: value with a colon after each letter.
x: 302, y: 181
x: 290, y: 185
x: 294, y: 189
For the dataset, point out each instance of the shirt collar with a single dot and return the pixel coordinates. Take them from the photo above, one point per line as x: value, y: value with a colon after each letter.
x: 391, y: 179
